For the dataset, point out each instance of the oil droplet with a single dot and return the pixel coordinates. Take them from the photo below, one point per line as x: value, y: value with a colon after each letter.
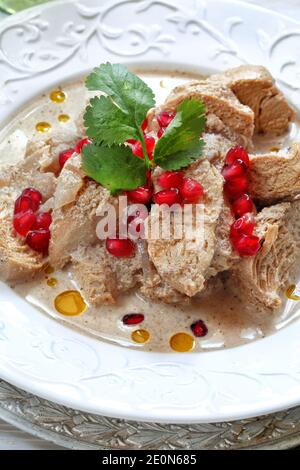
x: 140, y: 336
x: 182, y: 342
x: 48, y: 269
x: 70, y: 303
x: 64, y: 118
x: 52, y: 282
x: 43, y: 127
x: 274, y: 149
x: 57, y: 96
x: 290, y: 293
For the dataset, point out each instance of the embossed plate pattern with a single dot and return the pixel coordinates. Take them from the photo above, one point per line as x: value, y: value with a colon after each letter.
x: 58, y: 42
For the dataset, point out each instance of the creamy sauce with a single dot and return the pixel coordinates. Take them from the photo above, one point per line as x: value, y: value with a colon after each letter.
x: 165, y: 327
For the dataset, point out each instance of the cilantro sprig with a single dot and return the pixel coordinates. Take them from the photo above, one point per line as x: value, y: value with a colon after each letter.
x: 117, y: 116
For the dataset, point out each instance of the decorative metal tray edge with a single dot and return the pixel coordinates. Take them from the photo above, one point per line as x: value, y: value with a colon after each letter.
x: 82, y: 431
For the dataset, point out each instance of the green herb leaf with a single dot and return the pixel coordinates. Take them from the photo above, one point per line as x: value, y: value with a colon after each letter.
x: 106, y: 123
x: 181, y: 144
x: 114, y: 167
x: 124, y: 91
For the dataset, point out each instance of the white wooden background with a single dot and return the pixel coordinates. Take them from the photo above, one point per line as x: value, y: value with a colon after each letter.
x: 12, y: 438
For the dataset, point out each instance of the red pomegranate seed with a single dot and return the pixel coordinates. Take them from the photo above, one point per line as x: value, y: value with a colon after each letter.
x: 24, y: 203
x: 144, y: 124
x: 170, y: 179
x: 133, y: 319
x: 79, y: 146
x: 243, y: 226
x: 164, y: 119
x: 137, y: 149
x: 168, y: 196
x: 136, y: 228
x: 247, y: 245
x: 238, y: 168
x: 141, y: 195
x: 191, y: 190
x: 237, y: 153
x: 38, y: 240
x: 160, y: 133
x: 243, y: 205
x: 43, y: 220
x: 33, y: 194
x: 64, y: 156
x: 199, y: 329
x: 236, y: 186
x: 120, y: 248
x: 23, y: 222
x: 150, y: 144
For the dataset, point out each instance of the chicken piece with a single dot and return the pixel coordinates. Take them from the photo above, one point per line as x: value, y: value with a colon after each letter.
x: 23, y: 175
x: 50, y: 148
x: 75, y: 224
x: 254, y: 86
x: 93, y: 272
x: 103, y: 277
x: 225, y: 256
x: 275, y: 176
x: 225, y: 114
x: 260, y: 279
x: 69, y: 182
x: 183, y: 262
x: 18, y: 263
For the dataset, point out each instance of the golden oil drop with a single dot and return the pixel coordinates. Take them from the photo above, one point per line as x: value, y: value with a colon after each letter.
x: 140, y: 336
x: 43, y: 127
x: 57, y: 96
x: 63, y: 118
x: 70, y: 303
x: 182, y: 342
x: 290, y: 293
x: 52, y: 282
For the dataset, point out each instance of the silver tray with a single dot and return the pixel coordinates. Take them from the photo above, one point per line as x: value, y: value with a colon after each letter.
x: 76, y: 430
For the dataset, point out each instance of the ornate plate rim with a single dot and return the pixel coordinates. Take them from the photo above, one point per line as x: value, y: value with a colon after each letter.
x: 217, y: 386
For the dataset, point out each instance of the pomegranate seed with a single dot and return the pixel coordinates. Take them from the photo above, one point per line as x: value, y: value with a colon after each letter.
x: 236, y: 186
x: 64, y: 156
x: 238, y: 168
x: 160, y: 133
x: 136, y: 228
x: 247, y: 245
x: 150, y: 144
x: 164, y: 119
x: 23, y: 222
x: 141, y: 195
x: 43, y: 220
x: 168, y: 196
x: 120, y: 248
x: 24, y: 203
x: 242, y: 226
x: 33, y: 194
x: 191, y: 190
x: 199, y: 329
x: 137, y: 149
x: 171, y: 179
x: 243, y: 205
x: 79, y: 146
x: 133, y: 319
x: 237, y: 153
x: 38, y: 240
x: 144, y: 124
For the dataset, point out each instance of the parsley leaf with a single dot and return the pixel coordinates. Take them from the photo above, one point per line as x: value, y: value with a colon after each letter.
x: 127, y: 101
x: 106, y: 123
x: 114, y: 167
x: 181, y: 144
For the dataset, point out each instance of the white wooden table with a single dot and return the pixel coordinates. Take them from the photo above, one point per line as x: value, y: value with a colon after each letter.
x: 12, y: 438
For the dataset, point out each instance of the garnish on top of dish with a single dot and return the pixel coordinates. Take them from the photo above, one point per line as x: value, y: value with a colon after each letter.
x: 199, y: 147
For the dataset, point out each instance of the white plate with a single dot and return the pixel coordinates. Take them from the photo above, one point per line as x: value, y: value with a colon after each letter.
x: 58, y: 42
